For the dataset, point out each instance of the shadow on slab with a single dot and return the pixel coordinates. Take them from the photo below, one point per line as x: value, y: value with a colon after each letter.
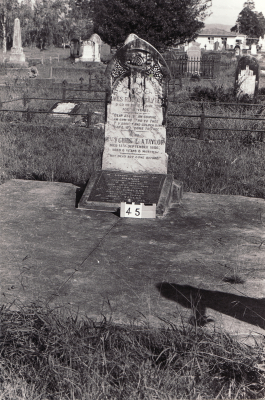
x: 243, y: 308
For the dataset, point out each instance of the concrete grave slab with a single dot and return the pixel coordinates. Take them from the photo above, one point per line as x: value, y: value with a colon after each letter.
x: 76, y: 113
x: 135, y: 270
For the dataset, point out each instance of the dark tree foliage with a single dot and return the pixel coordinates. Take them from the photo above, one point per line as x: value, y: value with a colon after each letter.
x: 160, y: 22
x: 250, y: 23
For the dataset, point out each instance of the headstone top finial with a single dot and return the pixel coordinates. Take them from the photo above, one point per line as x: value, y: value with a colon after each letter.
x: 130, y: 38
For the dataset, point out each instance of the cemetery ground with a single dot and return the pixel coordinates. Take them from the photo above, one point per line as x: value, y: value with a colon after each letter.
x: 55, y: 352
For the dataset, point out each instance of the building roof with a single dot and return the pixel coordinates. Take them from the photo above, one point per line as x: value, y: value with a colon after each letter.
x: 216, y: 32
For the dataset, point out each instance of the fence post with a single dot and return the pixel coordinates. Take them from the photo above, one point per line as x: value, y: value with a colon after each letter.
x: 201, y: 137
x: 81, y: 82
x: 25, y: 99
x: 88, y: 119
x: 64, y: 90
x: 28, y: 116
x: 51, y: 72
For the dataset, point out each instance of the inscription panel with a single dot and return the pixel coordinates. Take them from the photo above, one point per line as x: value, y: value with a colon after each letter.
x: 116, y: 187
x: 135, y: 137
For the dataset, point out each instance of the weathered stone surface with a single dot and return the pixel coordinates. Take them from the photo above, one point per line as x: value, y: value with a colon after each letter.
x: 247, y: 77
x: 135, y: 131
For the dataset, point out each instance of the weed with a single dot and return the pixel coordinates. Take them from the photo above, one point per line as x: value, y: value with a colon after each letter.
x: 49, y: 354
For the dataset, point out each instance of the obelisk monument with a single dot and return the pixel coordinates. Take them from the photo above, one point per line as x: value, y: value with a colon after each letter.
x: 17, y: 56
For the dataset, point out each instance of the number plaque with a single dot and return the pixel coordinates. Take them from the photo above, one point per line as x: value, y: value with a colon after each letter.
x: 134, y: 210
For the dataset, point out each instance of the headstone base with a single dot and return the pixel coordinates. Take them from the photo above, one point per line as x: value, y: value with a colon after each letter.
x: 17, y: 58
x: 107, y: 189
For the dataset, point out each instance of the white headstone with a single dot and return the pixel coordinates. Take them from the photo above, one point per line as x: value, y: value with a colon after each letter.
x: 88, y: 48
x: 253, y: 49
x: 97, y: 42
x: 17, y: 55
x: 194, y: 56
x: 135, y: 131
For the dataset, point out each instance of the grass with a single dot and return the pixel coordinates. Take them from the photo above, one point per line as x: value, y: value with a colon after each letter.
x: 46, y: 354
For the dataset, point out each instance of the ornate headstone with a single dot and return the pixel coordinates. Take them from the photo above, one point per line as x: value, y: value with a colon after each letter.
x: 17, y: 56
x: 134, y: 165
x: 247, y: 77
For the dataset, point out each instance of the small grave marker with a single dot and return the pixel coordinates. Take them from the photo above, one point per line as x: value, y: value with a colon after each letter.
x: 194, y: 56
x: 247, y: 77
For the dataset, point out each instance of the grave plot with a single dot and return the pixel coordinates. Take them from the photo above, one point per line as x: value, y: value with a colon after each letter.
x: 134, y: 154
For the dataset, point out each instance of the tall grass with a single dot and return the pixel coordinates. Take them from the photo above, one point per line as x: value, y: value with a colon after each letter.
x: 46, y: 354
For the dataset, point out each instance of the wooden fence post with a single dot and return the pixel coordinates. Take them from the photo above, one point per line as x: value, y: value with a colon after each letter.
x: 28, y: 115
x: 64, y: 90
x: 81, y: 82
x: 201, y: 137
x: 88, y: 119
x: 25, y: 100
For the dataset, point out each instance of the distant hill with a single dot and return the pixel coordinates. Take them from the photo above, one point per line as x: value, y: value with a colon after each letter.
x: 219, y: 26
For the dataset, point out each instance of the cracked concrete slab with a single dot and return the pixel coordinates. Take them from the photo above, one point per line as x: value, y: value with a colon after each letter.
x: 135, y: 270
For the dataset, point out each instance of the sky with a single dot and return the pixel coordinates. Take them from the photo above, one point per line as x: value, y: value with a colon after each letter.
x: 226, y: 11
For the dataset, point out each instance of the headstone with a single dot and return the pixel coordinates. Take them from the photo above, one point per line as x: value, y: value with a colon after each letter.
x: 247, y: 77
x: 17, y: 55
x: 253, y: 49
x: 130, y: 38
x: 75, y: 48
x: 216, y: 45
x: 262, y: 44
x: 237, y: 51
x: 88, y: 51
x: 194, y: 56
x: 134, y: 165
x: 97, y: 41
x: 105, y: 50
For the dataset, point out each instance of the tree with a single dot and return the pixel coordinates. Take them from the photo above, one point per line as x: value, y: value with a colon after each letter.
x: 8, y: 13
x: 160, y: 22
x: 249, y: 23
x: 49, y: 16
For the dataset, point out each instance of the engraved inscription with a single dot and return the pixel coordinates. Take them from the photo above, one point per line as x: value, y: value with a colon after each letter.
x: 117, y: 187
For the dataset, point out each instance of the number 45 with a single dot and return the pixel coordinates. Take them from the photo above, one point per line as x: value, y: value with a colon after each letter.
x: 133, y: 212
